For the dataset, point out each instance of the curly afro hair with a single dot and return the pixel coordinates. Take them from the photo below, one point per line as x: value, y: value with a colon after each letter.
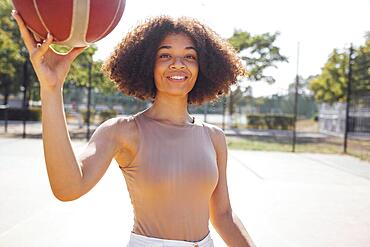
x: 131, y: 64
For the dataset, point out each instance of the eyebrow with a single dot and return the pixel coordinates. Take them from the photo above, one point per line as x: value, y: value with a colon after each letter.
x: 169, y: 47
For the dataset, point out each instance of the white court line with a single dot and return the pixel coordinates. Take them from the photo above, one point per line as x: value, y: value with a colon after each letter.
x: 12, y: 228
x: 245, y: 166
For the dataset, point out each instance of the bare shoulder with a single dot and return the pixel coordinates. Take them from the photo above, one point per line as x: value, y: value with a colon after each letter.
x: 217, y: 135
x: 127, y: 136
x: 119, y: 127
x: 124, y: 130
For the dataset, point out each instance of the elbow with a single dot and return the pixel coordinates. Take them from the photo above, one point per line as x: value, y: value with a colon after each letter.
x: 66, y: 199
x: 220, y: 219
x: 66, y: 193
x: 63, y: 197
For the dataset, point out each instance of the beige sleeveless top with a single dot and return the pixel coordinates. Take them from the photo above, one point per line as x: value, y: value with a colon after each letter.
x: 171, y: 179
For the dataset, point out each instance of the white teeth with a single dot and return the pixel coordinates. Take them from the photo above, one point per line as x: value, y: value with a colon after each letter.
x: 177, y: 77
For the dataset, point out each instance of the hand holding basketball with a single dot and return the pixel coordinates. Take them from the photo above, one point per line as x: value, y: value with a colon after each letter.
x: 50, y: 66
x: 75, y: 23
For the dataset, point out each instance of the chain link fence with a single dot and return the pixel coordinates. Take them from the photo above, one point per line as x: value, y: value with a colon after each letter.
x: 289, y: 121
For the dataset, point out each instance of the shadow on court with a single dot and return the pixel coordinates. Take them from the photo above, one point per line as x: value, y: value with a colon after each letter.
x: 283, y: 199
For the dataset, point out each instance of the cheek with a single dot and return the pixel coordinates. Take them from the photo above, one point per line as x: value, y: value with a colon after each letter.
x: 158, y: 71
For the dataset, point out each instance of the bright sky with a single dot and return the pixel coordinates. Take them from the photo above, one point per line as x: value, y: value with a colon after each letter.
x: 318, y: 25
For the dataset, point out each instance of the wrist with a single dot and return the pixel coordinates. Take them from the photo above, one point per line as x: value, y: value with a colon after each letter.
x: 46, y: 92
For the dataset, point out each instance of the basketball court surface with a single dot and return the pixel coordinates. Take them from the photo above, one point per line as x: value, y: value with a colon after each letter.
x: 283, y: 199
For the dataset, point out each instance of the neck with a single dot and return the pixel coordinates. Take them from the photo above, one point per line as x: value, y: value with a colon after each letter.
x: 172, y: 109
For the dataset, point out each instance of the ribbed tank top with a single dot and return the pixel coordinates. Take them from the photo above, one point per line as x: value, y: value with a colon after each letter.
x: 171, y: 179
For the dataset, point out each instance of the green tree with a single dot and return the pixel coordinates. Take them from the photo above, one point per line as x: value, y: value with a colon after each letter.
x: 361, y: 69
x: 79, y: 72
x: 259, y: 52
x: 14, y: 58
x: 10, y: 58
x: 331, y: 85
x: 18, y: 61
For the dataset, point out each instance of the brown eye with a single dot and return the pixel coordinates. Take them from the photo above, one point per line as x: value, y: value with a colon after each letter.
x: 190, y: 57
x: 164, y: 56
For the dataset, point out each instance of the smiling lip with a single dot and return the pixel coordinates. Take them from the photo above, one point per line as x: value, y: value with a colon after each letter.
x: 177, y: 78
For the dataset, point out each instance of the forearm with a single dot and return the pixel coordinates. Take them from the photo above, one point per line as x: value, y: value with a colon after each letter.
x: 232, y: 231
x: 64, y: 173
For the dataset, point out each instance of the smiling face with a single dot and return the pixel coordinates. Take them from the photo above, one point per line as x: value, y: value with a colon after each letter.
x: 176, y: 65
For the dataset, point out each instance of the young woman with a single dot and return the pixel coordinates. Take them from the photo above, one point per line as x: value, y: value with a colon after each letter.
x: 174, y: 165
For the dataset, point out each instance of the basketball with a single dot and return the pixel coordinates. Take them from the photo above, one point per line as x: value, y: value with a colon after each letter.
x: 73, y: 23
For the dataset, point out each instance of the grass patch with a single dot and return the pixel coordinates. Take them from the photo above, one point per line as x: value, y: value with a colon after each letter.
x: 356, y: 148
x: 328, y: 148
x: 257, y: 145
x: 271, y: 145
x: 359, y: 148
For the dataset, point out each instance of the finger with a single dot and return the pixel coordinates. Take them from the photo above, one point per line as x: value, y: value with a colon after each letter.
x: 72, y: 54
x: 42, y: 48
x: 25, y: 33
x: 37, y: 37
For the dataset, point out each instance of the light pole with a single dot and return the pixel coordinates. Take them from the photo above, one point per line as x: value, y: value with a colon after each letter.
x: 24, y: 90
x: 223, y: 111
x: 295, y: 103
x: 348, y: 98
x: 205, y: 111
x: 88, y: 112
x: 5, y: 106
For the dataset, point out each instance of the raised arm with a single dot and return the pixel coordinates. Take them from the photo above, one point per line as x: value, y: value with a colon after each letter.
x: 69, y: 176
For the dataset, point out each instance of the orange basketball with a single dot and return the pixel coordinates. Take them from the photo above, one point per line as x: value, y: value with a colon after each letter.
x: 74, y: 23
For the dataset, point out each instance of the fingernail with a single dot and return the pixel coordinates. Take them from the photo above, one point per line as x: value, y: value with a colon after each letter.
x: 14, y: 12
x: 48, y: 36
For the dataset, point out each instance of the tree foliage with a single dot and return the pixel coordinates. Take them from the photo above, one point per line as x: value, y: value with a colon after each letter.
x: 259, y: 53
x: 361, y: 69
x: 331, y: 85
x: 13, y: 57
x: 79, y: 72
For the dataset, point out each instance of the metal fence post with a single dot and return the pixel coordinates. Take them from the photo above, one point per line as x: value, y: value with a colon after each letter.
x: 295, y: 103
x: 349, y: 85
x: 25, y: 102
x: 223, y: 111
x: 5, y: 108
x: 88, y: 113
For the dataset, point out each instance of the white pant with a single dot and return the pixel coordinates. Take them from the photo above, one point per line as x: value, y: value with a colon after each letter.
x: 137, y: 240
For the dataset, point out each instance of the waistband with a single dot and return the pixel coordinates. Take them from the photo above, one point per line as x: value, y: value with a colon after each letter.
x: 158, y: 242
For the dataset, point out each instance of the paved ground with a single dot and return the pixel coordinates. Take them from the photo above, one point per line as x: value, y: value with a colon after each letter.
x: 283, y: 199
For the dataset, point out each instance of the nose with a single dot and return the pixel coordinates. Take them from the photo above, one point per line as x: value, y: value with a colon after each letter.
x: 177, y: 63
